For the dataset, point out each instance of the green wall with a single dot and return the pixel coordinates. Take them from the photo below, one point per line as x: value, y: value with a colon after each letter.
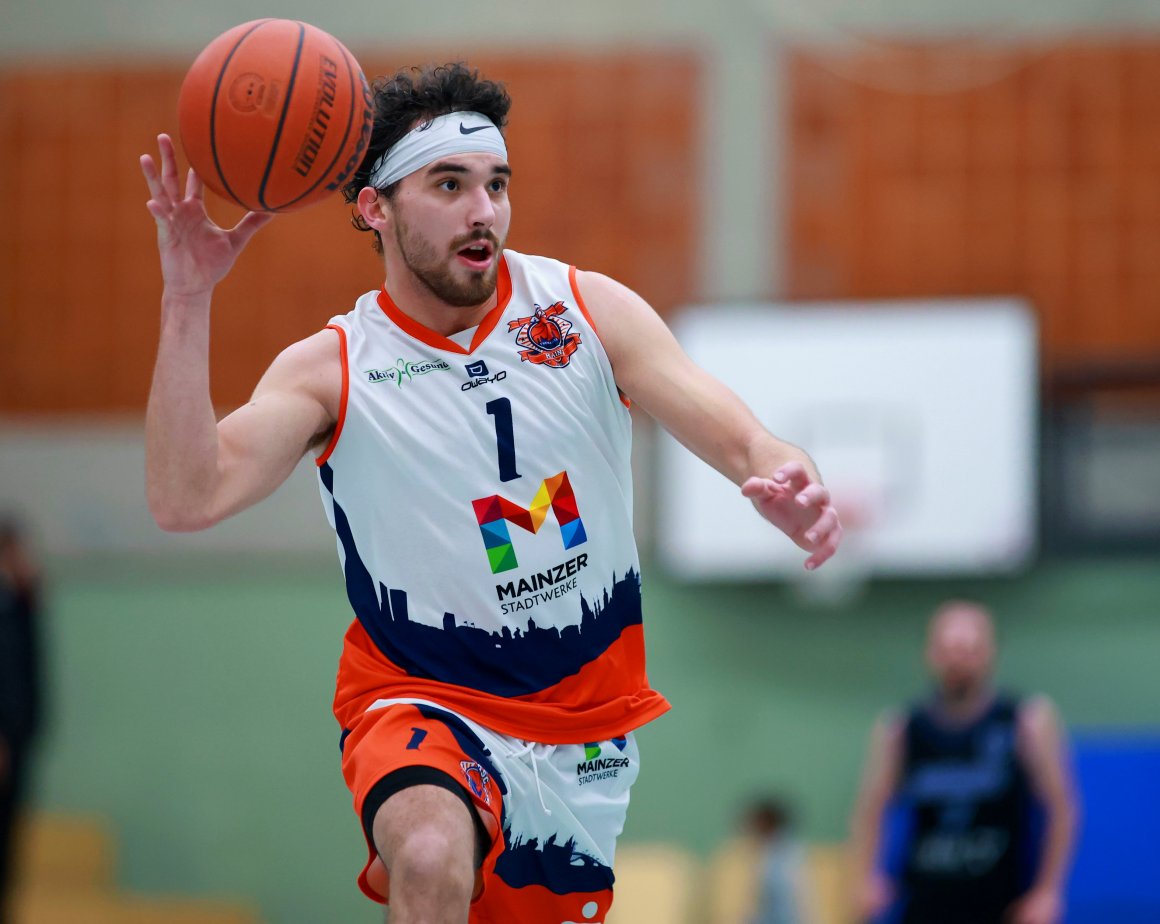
x: 191, y: 706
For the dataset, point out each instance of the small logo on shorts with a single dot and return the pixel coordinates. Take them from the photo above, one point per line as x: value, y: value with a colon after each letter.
x: 594, y: 767
x: 478, y: 780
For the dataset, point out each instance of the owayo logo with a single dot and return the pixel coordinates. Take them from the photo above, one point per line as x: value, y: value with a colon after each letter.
x: 479, y: 375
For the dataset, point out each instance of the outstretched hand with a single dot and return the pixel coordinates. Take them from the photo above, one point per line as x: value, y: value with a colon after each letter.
x: 195, y: 253
x: 800, y: 508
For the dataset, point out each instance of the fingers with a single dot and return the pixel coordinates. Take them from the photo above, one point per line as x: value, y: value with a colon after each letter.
x: 826, y: 523
x: 829, y: 537
x: 152, y: 179
x: 194, y: 187
x: 162, y: 181
x: 813, y: 495
x: 755, y: 488
x: 792, y: 475
x: 168, y: 167
x: 249, y: 226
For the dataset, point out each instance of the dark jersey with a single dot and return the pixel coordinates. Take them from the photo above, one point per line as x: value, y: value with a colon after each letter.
x: 970, y: 805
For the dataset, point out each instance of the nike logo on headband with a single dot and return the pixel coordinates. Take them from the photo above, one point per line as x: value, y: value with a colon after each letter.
x: 471, y: 131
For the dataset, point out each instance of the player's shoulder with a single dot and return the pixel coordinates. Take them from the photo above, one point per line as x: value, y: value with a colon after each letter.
x: 1036, y: 714
x: 312, y: 365
x: 890, y: 724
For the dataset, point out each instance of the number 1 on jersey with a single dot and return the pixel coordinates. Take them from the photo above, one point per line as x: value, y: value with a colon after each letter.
x: 501, y: 410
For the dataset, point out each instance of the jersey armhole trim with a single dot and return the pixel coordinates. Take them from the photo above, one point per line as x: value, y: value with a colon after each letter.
x: 624, y: 399
x: 321, y: 460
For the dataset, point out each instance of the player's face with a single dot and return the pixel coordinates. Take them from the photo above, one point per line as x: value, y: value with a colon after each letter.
x: 451, y: 221
x: 961, y: 651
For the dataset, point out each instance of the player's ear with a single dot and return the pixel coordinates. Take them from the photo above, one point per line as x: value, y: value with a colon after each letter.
x: 372, y: 206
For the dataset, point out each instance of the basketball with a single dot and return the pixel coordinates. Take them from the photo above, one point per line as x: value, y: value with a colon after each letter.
x: 274, y: 114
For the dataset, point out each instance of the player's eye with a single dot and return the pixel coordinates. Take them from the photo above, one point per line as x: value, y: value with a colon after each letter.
x: 449, y: 184
x: 498, y: 185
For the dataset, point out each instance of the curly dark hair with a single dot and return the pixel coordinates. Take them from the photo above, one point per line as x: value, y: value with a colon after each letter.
x: 418, y: 94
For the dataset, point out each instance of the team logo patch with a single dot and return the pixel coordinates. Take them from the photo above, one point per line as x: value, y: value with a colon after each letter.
x: 478, y: 780
x: 546, y: 336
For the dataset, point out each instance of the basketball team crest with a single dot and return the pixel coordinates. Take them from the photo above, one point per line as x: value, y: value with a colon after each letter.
x: 478, y: 779
x: 546, y: 336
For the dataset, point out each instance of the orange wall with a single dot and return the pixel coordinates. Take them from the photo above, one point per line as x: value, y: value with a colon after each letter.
x: 605, y: 177
x: 1044, y: 180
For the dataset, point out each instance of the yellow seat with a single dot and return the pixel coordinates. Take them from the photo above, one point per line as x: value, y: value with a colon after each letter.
x: 44, y: 906
x: 828, y: 875
x: 732, y: 883
x: 66, y: 851
x: 64, y: 874
x: 655, y: 884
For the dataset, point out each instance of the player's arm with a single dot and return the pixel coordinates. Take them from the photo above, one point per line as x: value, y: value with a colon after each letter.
x: 199, y: 471
x: 880, y: 778
x: 1042, y: 747
x: 709, y: 418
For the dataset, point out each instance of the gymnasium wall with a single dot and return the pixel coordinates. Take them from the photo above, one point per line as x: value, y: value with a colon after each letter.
x: 605, y: 173
x: 698, y: 152
x: 1030, y: 168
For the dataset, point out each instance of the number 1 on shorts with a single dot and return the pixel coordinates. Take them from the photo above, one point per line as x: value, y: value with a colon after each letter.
x: 416, y: 738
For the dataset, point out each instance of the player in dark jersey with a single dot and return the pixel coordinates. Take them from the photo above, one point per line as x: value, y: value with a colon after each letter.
x: 967, y: 770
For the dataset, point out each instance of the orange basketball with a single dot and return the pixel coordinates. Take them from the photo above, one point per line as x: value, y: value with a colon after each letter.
x: 274, y: 114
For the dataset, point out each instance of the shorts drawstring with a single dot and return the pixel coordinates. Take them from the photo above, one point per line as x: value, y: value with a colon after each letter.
x: 529, y: 749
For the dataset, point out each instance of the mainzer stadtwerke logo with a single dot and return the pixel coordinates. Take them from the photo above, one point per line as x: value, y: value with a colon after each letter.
x: 405, y: 370
x: 594, y: 767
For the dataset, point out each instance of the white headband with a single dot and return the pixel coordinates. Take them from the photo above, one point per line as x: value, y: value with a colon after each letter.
x: 453, y: 133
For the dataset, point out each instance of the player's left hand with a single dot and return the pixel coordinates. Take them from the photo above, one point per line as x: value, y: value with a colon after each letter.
x: 1039, y: 906
x: 800, y: 508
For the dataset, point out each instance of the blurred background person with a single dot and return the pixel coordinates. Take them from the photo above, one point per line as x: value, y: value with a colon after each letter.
x: 20, y: 686
x: 967, y: 770
x: 781, y: 887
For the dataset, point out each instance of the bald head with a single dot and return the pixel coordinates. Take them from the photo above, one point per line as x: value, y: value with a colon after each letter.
x: 960, y: 648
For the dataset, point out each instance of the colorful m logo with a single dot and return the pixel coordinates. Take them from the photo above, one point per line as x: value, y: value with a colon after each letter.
x: 494, y: 513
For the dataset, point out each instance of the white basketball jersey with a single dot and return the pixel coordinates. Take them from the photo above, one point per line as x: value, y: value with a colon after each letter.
x: 482, y: 498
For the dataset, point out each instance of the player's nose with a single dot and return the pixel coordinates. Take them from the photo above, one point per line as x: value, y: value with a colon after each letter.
x: 480, y: 209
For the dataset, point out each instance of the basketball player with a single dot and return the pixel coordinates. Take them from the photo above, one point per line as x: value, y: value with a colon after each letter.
x: 970, y: 768
x: 471, y: 428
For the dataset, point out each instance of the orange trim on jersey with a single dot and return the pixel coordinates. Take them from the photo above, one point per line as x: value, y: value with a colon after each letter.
x: 321, y: 460
x: 606, y: 698
x: 624, y: 399
x: 503, y: 291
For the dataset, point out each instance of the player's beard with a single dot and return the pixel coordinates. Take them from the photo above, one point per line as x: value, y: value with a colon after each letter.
x: 436, y: 271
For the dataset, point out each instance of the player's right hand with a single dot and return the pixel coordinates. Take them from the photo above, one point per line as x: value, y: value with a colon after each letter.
x: 196, y: 254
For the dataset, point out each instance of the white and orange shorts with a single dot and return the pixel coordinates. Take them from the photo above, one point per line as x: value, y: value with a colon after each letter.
x: 550, y: 814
